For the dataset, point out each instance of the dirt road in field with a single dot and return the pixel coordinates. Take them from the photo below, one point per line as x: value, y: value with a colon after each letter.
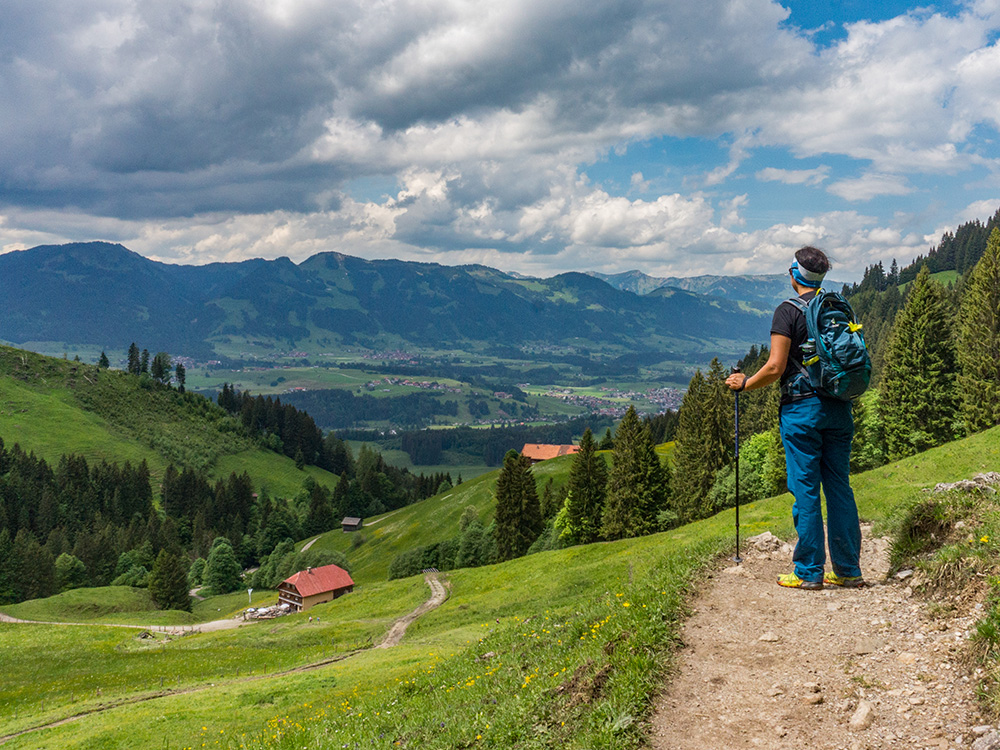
x: 204, y: 627
x: 438, y: 596
x: 398, y: 629
x: 839, y: 669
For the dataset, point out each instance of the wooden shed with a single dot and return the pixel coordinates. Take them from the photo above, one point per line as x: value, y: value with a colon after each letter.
x: 314, y: 586
x: 351, y: 524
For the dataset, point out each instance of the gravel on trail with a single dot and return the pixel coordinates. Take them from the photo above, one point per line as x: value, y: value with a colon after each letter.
x: 846, y: 669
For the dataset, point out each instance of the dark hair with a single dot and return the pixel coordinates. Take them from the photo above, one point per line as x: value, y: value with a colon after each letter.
x: 813, y: 259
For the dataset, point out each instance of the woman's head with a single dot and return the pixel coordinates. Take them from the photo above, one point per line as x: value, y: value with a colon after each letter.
x: 809, y: 267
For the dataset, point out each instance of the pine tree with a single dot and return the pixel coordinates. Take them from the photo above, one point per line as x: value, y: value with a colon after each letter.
x: 588, y: 479
x: 638, y: 488
x: 607, y: 442
x: 319, y: 517
x: 144, y: 362
x: 705, y: 439
x: 160, y: 368
x: 979, y: 340
x: 180, y: 375
x: 168, y: 583
x: 134, y: 364
x: 518, y: 516
x: 104, y: 363
x: 919, y: 399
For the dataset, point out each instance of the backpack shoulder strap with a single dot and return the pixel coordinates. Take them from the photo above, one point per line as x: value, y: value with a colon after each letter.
x: 797, y: 302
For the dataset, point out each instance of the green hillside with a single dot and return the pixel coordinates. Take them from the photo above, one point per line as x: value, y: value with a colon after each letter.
x: 435, y: 519
x: 432, y: 520
x: 941, y: 277
x: 504, y: 660
x: 53, y: 407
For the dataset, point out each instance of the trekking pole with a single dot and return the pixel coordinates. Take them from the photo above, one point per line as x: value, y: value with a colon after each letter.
x: 736, y: 421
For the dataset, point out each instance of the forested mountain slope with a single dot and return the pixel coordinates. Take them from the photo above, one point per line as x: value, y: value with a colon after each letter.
x: 103, y: 295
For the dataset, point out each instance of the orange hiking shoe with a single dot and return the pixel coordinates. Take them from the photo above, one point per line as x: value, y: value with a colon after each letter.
x: 792, y: 581
x: 847, y: 582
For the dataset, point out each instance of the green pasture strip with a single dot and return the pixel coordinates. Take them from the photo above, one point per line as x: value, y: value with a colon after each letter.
x: 123, y: 605
x: 259, y: 382
x: 92, y: 605
x: 239, y: 713
x: 460, y: 466
x: 584, y: 677
x: 50, y: 423
x: 68, y: 664
x: 425, y: 522
x: 271, y: 471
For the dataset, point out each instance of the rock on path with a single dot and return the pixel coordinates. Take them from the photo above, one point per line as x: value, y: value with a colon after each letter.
x: 863, y: 669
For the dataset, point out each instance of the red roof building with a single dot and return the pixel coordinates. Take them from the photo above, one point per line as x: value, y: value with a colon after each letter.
x: 314, y: 586
x: 536, y: 452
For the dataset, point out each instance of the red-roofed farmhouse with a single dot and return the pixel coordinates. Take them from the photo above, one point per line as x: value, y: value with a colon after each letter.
x: 314, y: 586
x: 536, y: 452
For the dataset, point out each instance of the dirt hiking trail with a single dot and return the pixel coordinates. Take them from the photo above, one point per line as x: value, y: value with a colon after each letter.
x: 846, y: 669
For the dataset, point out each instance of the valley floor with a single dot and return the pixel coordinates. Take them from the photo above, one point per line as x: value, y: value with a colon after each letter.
x: 769, y: 667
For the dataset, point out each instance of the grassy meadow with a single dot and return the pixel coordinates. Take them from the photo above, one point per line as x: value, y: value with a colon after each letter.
x: 53, y: 407
x: 558, y: 649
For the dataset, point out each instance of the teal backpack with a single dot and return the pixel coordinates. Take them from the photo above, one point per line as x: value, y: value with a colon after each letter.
x: 835, y: 362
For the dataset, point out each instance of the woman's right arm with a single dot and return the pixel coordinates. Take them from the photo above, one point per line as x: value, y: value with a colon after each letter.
x: 777, y: 360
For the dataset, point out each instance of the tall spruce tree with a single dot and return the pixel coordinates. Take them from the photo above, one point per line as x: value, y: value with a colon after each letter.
x: 979, y: 341
x: 320, y: 516
x: 180, y: 375
x: 919, y: 402
x: 607, y: 442
x: 691, y: 479
x: 168, y: 583
x: 104, y: 363
x: 518, y: 517
x: 588, y: 479
x: 134, y: 362
x: 638, y: 486
x: 160, y: 368
x: 704, y: 441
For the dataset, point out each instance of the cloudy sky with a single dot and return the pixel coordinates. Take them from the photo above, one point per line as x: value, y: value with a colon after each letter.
x: 672, y: 136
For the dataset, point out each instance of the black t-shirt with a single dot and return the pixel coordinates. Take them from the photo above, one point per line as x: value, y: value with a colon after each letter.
x: 789, y: 321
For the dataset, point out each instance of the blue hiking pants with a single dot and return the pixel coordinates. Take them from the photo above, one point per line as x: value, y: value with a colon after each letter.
x: 817, y: 436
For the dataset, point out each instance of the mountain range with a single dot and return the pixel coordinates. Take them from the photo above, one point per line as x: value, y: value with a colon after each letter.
x: 102, y: 294
x: 760, y: 291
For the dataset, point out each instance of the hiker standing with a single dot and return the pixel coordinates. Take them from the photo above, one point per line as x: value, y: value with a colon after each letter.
x: 816, y: 430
